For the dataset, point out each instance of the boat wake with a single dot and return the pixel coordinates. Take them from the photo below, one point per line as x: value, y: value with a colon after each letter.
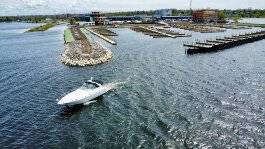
x: 117, y: 84
x: 111, y: 86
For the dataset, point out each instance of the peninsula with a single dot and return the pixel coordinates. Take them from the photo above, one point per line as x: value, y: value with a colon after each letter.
x: 42, y: 27
x: 82, y: 50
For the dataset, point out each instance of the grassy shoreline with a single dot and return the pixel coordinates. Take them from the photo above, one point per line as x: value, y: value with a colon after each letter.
x: 68, y: 37
x: 41, y: 28
x: 252, y: 25
x: 87, y: 36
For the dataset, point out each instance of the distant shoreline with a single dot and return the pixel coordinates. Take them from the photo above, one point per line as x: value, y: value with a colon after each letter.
x: 42, y: 27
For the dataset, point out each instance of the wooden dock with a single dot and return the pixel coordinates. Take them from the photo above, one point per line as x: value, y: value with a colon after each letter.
x: 223, y: 43
x: 159, y: 32
x: 153, y: 30
x: 197, y: 28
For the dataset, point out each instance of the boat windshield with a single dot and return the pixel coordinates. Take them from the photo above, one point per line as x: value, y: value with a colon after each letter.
x: 88, y: 86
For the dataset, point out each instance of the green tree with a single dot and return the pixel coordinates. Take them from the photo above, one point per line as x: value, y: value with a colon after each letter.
x: 54, y: 21
x: 235, y: 19
x: 77, y: 19
x: 222, y: 16
x: 9, y: 19
x: 72, y: 21
x: 29, y: 19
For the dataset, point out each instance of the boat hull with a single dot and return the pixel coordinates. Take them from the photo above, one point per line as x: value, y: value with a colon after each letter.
x: 85, y: 98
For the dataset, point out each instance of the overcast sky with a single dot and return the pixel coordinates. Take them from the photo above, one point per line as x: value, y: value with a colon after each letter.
x: 29, y: 7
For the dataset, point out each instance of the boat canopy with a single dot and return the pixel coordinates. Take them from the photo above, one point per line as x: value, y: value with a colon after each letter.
x: 97, y: 83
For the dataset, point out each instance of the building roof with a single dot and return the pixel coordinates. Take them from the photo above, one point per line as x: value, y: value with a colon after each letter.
x: 177, y: 16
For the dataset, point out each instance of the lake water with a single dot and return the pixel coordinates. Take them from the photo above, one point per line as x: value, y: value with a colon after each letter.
x: 253, y: 20
x: 169, y: 100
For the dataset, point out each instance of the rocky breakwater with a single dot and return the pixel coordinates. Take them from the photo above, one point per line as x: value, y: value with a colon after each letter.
x: 73, y: 55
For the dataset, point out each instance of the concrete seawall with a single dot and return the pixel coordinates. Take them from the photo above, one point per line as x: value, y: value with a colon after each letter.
x: 101, y: 36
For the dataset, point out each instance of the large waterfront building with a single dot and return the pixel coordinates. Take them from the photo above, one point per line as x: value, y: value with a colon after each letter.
x: 163, y: 12
x: 205, y: 16
x: 98, y: 18
x: 130, y: 18
x: 176, y: 18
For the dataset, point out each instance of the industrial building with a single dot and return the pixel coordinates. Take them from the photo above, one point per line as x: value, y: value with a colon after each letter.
x: 121, y: 18
x: 94, y: 18
x: 98, y: 18
x: 177, y: 18
x: 163, y: 12
x: 129, y: 18
x: 205, y: 16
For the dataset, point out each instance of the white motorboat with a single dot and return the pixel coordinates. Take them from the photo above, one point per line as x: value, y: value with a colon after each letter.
x: 90, y: 90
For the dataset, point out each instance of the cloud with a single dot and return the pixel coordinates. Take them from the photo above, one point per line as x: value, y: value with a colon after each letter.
x: 29, y: 7
x: 35, y: 4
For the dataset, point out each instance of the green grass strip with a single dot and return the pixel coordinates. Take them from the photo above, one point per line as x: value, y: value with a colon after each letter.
x: 251, y: 25
x: 41, y: 28
x: 68, y: 37
x: 87, y: 36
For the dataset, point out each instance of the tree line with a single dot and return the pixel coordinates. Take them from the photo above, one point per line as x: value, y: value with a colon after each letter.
x: 241, y: 13
x: 34, y: 19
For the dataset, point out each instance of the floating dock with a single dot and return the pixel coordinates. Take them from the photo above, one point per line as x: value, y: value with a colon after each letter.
x: 229, y: 26
x: 157, y: 32
x: 197, y: 28
x: 104, y: 31
x: 223, y: 43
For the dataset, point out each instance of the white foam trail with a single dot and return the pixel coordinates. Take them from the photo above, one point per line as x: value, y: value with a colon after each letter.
x: 111, y: 86
x: 88, y: 103
x: 118, y: 83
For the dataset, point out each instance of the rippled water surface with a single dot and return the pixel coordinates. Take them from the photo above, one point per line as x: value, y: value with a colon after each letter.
x: 169, y: 100
x: 253, y: 20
